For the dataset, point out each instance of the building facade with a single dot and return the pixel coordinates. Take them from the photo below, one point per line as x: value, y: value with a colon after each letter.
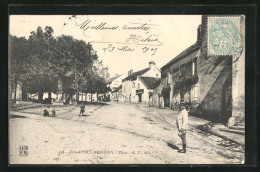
x: 178, y: 83
x: 116, y: 93
x: 114, y: 84
x: 137, y: 86
x: 209, y: 85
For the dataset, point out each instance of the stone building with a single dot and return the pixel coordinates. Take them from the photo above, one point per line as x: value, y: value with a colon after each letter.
x: 137, y: 86
x: 178, y: 82
x: 222, y: 80
x: 213, y: 86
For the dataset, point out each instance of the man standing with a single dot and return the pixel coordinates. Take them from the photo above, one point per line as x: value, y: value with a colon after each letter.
x: 182, y: 125
x: 82, y: 109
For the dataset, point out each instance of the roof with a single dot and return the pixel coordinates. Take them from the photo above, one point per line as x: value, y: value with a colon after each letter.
x: 193, y: 47
x: 157, y: 84
x: 134, y: 75
x: 112, y: 79
x: 117, y: 89
x: 149, y: 82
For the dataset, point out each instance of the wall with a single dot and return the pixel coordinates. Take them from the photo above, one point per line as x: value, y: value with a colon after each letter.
x: 117, y: 82
x: 153, y: 72
x: 126, y: 90
x: 157, y: 98
x: 173, y: 77
x: 132, y: 91
x: 46, y: 96
x: 238, y: 81
x: 215, y: 79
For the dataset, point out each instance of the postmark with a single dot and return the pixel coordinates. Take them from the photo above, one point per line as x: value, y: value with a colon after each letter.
x: 224, y: 36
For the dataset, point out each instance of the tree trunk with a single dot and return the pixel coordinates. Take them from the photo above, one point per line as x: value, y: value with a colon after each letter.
x: 49, y: 97
x: 77, y: 98
x: 10, y: 92
x: 40, y: 95
x: 15, y: 88
x: 70, y: 97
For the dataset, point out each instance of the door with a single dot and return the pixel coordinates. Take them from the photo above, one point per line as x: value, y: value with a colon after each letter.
x: 140, y: 98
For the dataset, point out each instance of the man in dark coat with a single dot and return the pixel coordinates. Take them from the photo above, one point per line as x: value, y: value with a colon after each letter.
x: 82, y: 109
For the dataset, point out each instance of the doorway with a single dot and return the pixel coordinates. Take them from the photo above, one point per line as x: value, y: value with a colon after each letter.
x: 139, y: 98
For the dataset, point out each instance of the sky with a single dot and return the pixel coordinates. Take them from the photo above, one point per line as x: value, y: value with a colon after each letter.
x: 122, y: 42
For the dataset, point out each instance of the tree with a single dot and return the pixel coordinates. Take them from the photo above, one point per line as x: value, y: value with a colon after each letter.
x: 42, y: 71
x: 18, y: 62
x: 101, y: 86
x: 75, y: 62
x: 101, y: 70
x: 41, y: 62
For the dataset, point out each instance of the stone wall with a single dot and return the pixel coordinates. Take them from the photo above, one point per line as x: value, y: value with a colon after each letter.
x: 216, y: 82
x: 238, y: 81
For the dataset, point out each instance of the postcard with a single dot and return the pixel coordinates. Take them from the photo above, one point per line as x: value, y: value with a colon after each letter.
x: 126, y: 89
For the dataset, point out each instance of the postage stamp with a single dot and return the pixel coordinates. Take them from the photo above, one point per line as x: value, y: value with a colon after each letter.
x: 224, y: 35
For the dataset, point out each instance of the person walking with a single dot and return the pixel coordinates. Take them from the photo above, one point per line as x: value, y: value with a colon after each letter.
x: 182, y: 125
x: 82, y: 109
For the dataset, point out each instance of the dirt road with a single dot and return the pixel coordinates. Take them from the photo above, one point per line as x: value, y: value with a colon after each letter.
x: 111, y: 134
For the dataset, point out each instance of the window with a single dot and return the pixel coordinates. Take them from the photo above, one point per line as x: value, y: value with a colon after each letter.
x: 194, y: 66
x: 183, y: 69
x: 138, y: 86
x: 133, y: 85
x: 194, y: 92
x: 168, y: 78
x: 157, y: 75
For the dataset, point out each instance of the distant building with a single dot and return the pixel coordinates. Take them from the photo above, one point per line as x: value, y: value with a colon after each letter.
x: 112, y: 83
x: 116, y: 93
x: 115, y: 81
x: 137, y: 86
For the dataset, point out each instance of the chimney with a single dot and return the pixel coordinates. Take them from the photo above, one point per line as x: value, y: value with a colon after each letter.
x: 199, y: 33
x: 151, y: 64
x: 130, y: 72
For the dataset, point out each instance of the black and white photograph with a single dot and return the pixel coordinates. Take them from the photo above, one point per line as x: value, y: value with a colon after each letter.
x: 126, y: 89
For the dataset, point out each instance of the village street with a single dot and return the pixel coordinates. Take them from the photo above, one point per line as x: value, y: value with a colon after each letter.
x: 111, y: 134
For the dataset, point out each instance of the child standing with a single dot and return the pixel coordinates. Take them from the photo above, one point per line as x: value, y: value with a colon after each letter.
x: 82, y: 109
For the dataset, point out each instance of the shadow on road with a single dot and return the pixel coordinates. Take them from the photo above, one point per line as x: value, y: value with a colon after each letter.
x: 93, y: 103
x: 173, y: 146
x: 84, y: 115
x: 16, y: 116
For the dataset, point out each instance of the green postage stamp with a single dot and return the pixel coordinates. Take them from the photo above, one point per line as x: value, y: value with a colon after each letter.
x: 224, y: 35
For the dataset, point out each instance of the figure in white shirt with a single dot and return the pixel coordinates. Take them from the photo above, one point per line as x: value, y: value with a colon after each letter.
x: 182, y: 125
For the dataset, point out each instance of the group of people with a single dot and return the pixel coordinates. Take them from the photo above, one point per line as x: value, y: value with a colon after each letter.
x: 49, y: 112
